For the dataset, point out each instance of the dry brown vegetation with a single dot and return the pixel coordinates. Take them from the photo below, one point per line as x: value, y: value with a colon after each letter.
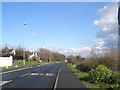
x: 109, y: 59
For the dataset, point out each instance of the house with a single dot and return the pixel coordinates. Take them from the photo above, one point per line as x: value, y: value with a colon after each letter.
x: 31, y: 56
x: 13, y: 52
x: 6, y: 52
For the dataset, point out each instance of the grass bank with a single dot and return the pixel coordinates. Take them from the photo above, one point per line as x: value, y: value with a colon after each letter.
x: 84, y: 77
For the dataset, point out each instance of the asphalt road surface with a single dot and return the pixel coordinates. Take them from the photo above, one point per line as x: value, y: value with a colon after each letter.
x: 42, y: 76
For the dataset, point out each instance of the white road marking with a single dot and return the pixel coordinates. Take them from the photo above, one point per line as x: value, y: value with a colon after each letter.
x: 24, y: 75
x: 47, y: 74
x: 41, y: 74
x: 34, y: 74
x: 14, y: 70
x: 39, y: 65
x: 4, y: 82
x: 55, y: 86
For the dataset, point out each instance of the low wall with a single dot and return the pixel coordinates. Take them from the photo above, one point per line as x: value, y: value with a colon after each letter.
x: 6, y: 61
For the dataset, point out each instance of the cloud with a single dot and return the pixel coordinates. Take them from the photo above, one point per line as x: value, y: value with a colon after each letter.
x: 73, y: 51
x: 98, y: 43
x: 34, y: 34
x: 96, y: 22
x: 107, y: 36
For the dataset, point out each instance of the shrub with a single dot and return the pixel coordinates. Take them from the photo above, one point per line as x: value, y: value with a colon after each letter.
x: 115, y: 77
x: 91, y: 63
x: 105, y: 75
x: 115, y: 86
x: 110, y: 63
x: 84, y: 66
x: 34, y: 58
x: 101, y: 74
x: 87, y: 65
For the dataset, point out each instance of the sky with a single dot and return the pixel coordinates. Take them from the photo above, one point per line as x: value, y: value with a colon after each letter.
x: 57, y: 26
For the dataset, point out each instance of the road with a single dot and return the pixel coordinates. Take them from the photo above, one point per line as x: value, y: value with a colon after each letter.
x: 42, y: 76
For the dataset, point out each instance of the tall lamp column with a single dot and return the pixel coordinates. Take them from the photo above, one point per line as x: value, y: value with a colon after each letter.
x: 24, y: 43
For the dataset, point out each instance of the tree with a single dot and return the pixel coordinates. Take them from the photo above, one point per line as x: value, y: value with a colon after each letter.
x: 47, y: 55
x: 19, y: 53
x: 6, y: 51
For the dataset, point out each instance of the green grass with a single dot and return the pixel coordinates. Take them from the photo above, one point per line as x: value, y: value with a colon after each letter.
x: 89, y: 85
x: 84, y: 77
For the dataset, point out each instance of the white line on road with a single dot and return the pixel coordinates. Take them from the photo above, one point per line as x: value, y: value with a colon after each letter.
x: 55, y: 86
x: 39, y: 74
x: 39, y: 65
x: 24, y: 75
x: 15, y: 70
x: 4, y: 82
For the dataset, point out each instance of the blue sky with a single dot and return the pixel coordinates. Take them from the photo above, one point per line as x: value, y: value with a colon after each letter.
x: 61, y: 25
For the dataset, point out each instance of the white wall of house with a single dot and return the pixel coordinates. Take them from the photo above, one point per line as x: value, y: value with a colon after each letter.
x: 6, y: 61
x: 34, y: 54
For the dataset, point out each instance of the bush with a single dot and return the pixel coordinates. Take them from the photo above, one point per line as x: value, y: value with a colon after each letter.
x: 115, y: 86
x: 115, y: 77
x: 34, y: 58
x: 92, y: 63
x: 101, y: 74
x: 110, y: 63
x: 105, y: 75
x: 87, y: 65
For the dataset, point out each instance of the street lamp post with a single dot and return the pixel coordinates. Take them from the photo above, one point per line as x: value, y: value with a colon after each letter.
x: 23, y: 44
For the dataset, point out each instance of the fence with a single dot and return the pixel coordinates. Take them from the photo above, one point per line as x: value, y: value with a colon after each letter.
x: 6, y: 61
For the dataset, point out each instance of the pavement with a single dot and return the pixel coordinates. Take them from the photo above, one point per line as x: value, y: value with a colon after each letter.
x: 52, y: 76
x: 67, y: 79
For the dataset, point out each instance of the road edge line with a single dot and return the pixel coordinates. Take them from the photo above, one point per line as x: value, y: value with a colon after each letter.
x: 14, y: 70
x: 56, y: 81
x: 5, y: 82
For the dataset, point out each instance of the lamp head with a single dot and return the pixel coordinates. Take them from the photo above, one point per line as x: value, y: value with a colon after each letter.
x: 24, y: 24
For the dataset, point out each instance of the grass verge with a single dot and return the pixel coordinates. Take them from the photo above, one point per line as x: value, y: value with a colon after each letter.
x: 84, y: 77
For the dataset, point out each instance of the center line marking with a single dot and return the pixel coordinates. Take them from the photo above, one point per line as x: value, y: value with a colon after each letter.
x: 24, y: 75
x: 41, y: 74
x: 56, y: 82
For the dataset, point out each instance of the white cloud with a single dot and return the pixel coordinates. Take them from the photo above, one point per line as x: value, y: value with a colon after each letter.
x: 73, y: 51
x: 107, y: 36
x: 96, y: 22
x: 34, y: 34
x: 98, y: 43
x: 105, y: 29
